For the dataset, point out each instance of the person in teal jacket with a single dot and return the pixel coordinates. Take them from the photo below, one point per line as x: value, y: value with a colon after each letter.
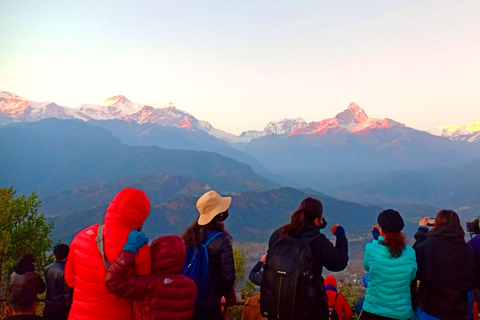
x: 392, y: 266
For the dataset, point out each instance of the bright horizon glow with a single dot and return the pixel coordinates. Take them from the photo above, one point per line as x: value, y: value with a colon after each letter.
x: 241, y: 64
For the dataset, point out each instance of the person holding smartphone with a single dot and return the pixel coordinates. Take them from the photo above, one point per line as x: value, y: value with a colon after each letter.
x: 391, y: 265
x: 446, y: 268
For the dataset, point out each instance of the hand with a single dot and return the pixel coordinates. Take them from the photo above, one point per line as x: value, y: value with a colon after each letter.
x: 337, y: 230
x: 423, y: 222
x: 264, y: 258
x: 375, y: 232
x: 136, y: 240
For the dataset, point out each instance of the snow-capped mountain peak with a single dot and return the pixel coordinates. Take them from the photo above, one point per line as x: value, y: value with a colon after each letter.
x: 114, y: 100
x: 8, y: 94
x: 470, y: 132
x: 284, y: 126
x: 352, y: 116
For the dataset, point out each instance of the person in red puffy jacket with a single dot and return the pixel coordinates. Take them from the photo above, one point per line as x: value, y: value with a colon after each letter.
x: 85, y: 270
x: 337, y: 300
x: 165, y: 294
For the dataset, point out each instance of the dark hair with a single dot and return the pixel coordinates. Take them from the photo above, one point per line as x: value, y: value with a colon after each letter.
x: 22, y: 299
x: 61, y: 251
x: 195, y: 234
x: 448, y: 218
x: 395, y: 242
x: 25, y: 264
x: 309, y: 209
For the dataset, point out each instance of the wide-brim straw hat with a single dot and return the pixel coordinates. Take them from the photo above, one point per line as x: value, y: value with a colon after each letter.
x: 210, y: 205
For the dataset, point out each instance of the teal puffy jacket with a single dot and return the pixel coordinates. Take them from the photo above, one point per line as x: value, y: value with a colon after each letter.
x: 388, y: 292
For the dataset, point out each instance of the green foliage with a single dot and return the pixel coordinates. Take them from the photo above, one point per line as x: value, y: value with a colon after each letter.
x: 352, y: 294
x: 239, y: 256
x: 248, y: 290
x: 22, y: 230
x: 235, y: 312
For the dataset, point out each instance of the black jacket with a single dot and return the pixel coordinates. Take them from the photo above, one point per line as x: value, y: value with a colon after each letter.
x: 221, y: 269
x: 256, y: 274
x: 58, y: 293
x: 334, y: 258
x: 446, y: 270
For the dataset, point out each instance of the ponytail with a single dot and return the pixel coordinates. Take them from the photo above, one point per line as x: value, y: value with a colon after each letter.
x: 309, y: 209
x: 395, y: 242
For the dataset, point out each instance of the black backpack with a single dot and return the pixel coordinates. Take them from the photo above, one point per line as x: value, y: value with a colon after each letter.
x: 292, y: 286
x: 332, y: 313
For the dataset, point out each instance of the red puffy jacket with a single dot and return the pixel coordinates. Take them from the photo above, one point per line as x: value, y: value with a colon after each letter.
x: 85, y: 270
x: 164, y: 294
x: 342, y: 307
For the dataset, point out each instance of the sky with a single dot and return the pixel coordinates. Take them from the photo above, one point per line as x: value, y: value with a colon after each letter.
x: 242, y: 64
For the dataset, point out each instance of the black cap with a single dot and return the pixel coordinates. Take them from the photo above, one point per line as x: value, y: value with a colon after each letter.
x: 61, y: 251
x: 390, y: 221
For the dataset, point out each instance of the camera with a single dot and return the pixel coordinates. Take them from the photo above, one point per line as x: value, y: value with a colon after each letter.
x: 473, y: 227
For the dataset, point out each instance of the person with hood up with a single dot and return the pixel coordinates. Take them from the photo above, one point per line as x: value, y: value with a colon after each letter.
x: 337, y: 300
x: 59, y: 295
x: 24, y: 275
x: 164, y: 294
x: 213, y: 210
x: 392, y: 267
x: 86, y: 268
x: 446, y: 268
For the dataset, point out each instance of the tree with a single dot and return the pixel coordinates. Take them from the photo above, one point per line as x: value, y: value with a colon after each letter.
x: 22, y: 230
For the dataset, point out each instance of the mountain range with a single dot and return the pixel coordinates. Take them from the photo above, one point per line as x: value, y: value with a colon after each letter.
x: 350, y: 156
x: 354, y: 120
x: 54, y: 155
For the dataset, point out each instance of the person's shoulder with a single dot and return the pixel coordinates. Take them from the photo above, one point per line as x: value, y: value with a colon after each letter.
x: 409, y: 253
x: 87, y: 233
x: 221, y: 239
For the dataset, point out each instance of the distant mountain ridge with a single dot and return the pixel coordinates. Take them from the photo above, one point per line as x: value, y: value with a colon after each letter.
x: 53, y: 155
x: 469, y: 133
x: 254, y: 215
x: 352, y: 120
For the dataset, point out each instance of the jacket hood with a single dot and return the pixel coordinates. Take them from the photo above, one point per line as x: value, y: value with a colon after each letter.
x: 309, y: 229
x: 130, y: 207
x: 450, y: 232
x: 25, y: 264
x: 168, y: 254
x: 330, y: 283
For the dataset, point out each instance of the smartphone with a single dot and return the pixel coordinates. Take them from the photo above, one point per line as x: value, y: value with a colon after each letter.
x: 431, y: 222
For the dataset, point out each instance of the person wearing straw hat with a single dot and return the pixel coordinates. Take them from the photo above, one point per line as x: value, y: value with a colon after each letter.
x: 208, y: 230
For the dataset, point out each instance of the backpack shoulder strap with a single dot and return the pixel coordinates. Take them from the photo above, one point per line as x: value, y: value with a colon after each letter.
x: 210, y: 237
x: 99, y: 240
x: 335, y: 301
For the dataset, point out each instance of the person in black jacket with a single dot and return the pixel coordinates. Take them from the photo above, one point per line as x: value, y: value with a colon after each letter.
x: 59, y: 295
x: 305, y: 224
x: 446, y: 268
x: 213, y: 211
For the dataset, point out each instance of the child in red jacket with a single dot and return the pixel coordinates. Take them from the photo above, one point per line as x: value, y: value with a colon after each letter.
x: 164, y: 294
x: 337, y: 300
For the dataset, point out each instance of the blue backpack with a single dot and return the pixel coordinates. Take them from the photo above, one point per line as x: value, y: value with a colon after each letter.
x: 196, y: 265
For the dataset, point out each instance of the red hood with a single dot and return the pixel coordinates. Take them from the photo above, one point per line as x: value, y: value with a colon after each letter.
x: 330, y: 280
x: 168, y: 254
x: 129, y: 208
